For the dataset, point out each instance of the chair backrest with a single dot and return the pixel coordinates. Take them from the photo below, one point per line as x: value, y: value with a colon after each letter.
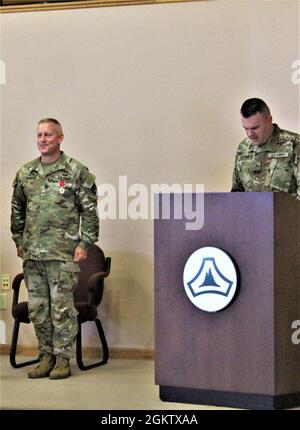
x: 95, y: 262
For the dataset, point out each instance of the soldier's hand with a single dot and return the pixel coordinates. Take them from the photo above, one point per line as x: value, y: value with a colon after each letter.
x: 80, y: 254
x: 20, y: 251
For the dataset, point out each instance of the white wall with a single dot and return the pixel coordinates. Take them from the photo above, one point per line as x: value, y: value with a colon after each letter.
x: 151, y: 92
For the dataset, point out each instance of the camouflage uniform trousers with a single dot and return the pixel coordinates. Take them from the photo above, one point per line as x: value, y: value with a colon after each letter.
x: 51, y: 307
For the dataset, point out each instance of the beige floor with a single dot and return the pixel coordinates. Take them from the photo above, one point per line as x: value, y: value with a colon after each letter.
x: 119, y: 385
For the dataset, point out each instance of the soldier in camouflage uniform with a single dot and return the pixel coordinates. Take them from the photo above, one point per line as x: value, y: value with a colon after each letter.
x: 54, y: 221
x: 269, y: 158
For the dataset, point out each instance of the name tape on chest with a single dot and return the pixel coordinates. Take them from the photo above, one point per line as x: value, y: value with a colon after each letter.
x: 278, y: 155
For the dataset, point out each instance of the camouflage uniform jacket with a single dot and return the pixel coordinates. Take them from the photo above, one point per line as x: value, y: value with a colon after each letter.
x: 273, y: 166
x: 54, y: 212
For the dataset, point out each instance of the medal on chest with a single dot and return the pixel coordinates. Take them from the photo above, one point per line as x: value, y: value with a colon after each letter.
x: 61, y: 185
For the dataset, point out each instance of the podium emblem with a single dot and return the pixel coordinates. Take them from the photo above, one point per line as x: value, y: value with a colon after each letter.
x: 210, y: 279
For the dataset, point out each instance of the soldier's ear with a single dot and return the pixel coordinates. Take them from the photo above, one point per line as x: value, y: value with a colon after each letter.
x: 60, y: 138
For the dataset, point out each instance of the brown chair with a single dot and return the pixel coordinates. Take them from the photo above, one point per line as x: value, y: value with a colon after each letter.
x: 87, y: 297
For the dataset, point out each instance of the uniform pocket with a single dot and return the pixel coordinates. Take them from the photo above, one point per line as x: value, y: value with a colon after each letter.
x: 69, y: 272
x: 70, y: 266
x: 245, y: 167
x: 281, y: 174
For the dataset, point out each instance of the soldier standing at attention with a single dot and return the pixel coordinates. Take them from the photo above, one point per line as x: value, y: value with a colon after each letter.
x: 269, y: 158
x: 54, y: 221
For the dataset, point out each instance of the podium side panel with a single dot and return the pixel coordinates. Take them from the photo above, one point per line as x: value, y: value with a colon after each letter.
x: 287, y: 292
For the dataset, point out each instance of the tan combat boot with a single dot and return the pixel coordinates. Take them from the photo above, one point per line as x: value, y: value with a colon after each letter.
x: 62, y: 369
x: 43, y: 369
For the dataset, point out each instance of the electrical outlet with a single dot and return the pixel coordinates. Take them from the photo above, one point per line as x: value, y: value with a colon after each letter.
x: 3, y: 301
x: 5, y: 282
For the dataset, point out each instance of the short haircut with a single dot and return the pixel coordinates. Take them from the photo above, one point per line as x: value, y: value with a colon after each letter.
x: 53, y: 121
x: 252, y: 106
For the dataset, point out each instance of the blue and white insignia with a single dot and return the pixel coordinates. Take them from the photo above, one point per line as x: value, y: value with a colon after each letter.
x: 210, y: 279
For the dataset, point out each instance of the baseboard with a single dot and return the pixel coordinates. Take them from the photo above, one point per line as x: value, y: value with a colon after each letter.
x: 89, y: 352
x: 229, y: 399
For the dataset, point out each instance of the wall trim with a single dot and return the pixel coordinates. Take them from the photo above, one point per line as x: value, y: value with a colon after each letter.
x: 83, y: 5
x: 89, y: 352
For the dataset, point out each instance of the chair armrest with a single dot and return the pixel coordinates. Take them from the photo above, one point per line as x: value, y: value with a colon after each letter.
x: 17, y: 281
x: 16, y: 287
x: 95, y: 277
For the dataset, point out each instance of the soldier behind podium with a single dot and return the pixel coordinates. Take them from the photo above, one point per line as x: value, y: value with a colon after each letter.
x: 269, y: 158
x: 54, y: 221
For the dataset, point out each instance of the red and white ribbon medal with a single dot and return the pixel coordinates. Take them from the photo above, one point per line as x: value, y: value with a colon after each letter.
x: 61, y: 185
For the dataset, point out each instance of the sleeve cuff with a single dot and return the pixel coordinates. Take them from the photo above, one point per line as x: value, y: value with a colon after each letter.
x: 84, y: 245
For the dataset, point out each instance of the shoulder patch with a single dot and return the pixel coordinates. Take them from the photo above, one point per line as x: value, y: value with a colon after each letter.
x: 89, y: 180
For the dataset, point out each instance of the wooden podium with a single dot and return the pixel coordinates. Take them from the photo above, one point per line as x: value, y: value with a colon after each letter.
x: 242, y: 356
